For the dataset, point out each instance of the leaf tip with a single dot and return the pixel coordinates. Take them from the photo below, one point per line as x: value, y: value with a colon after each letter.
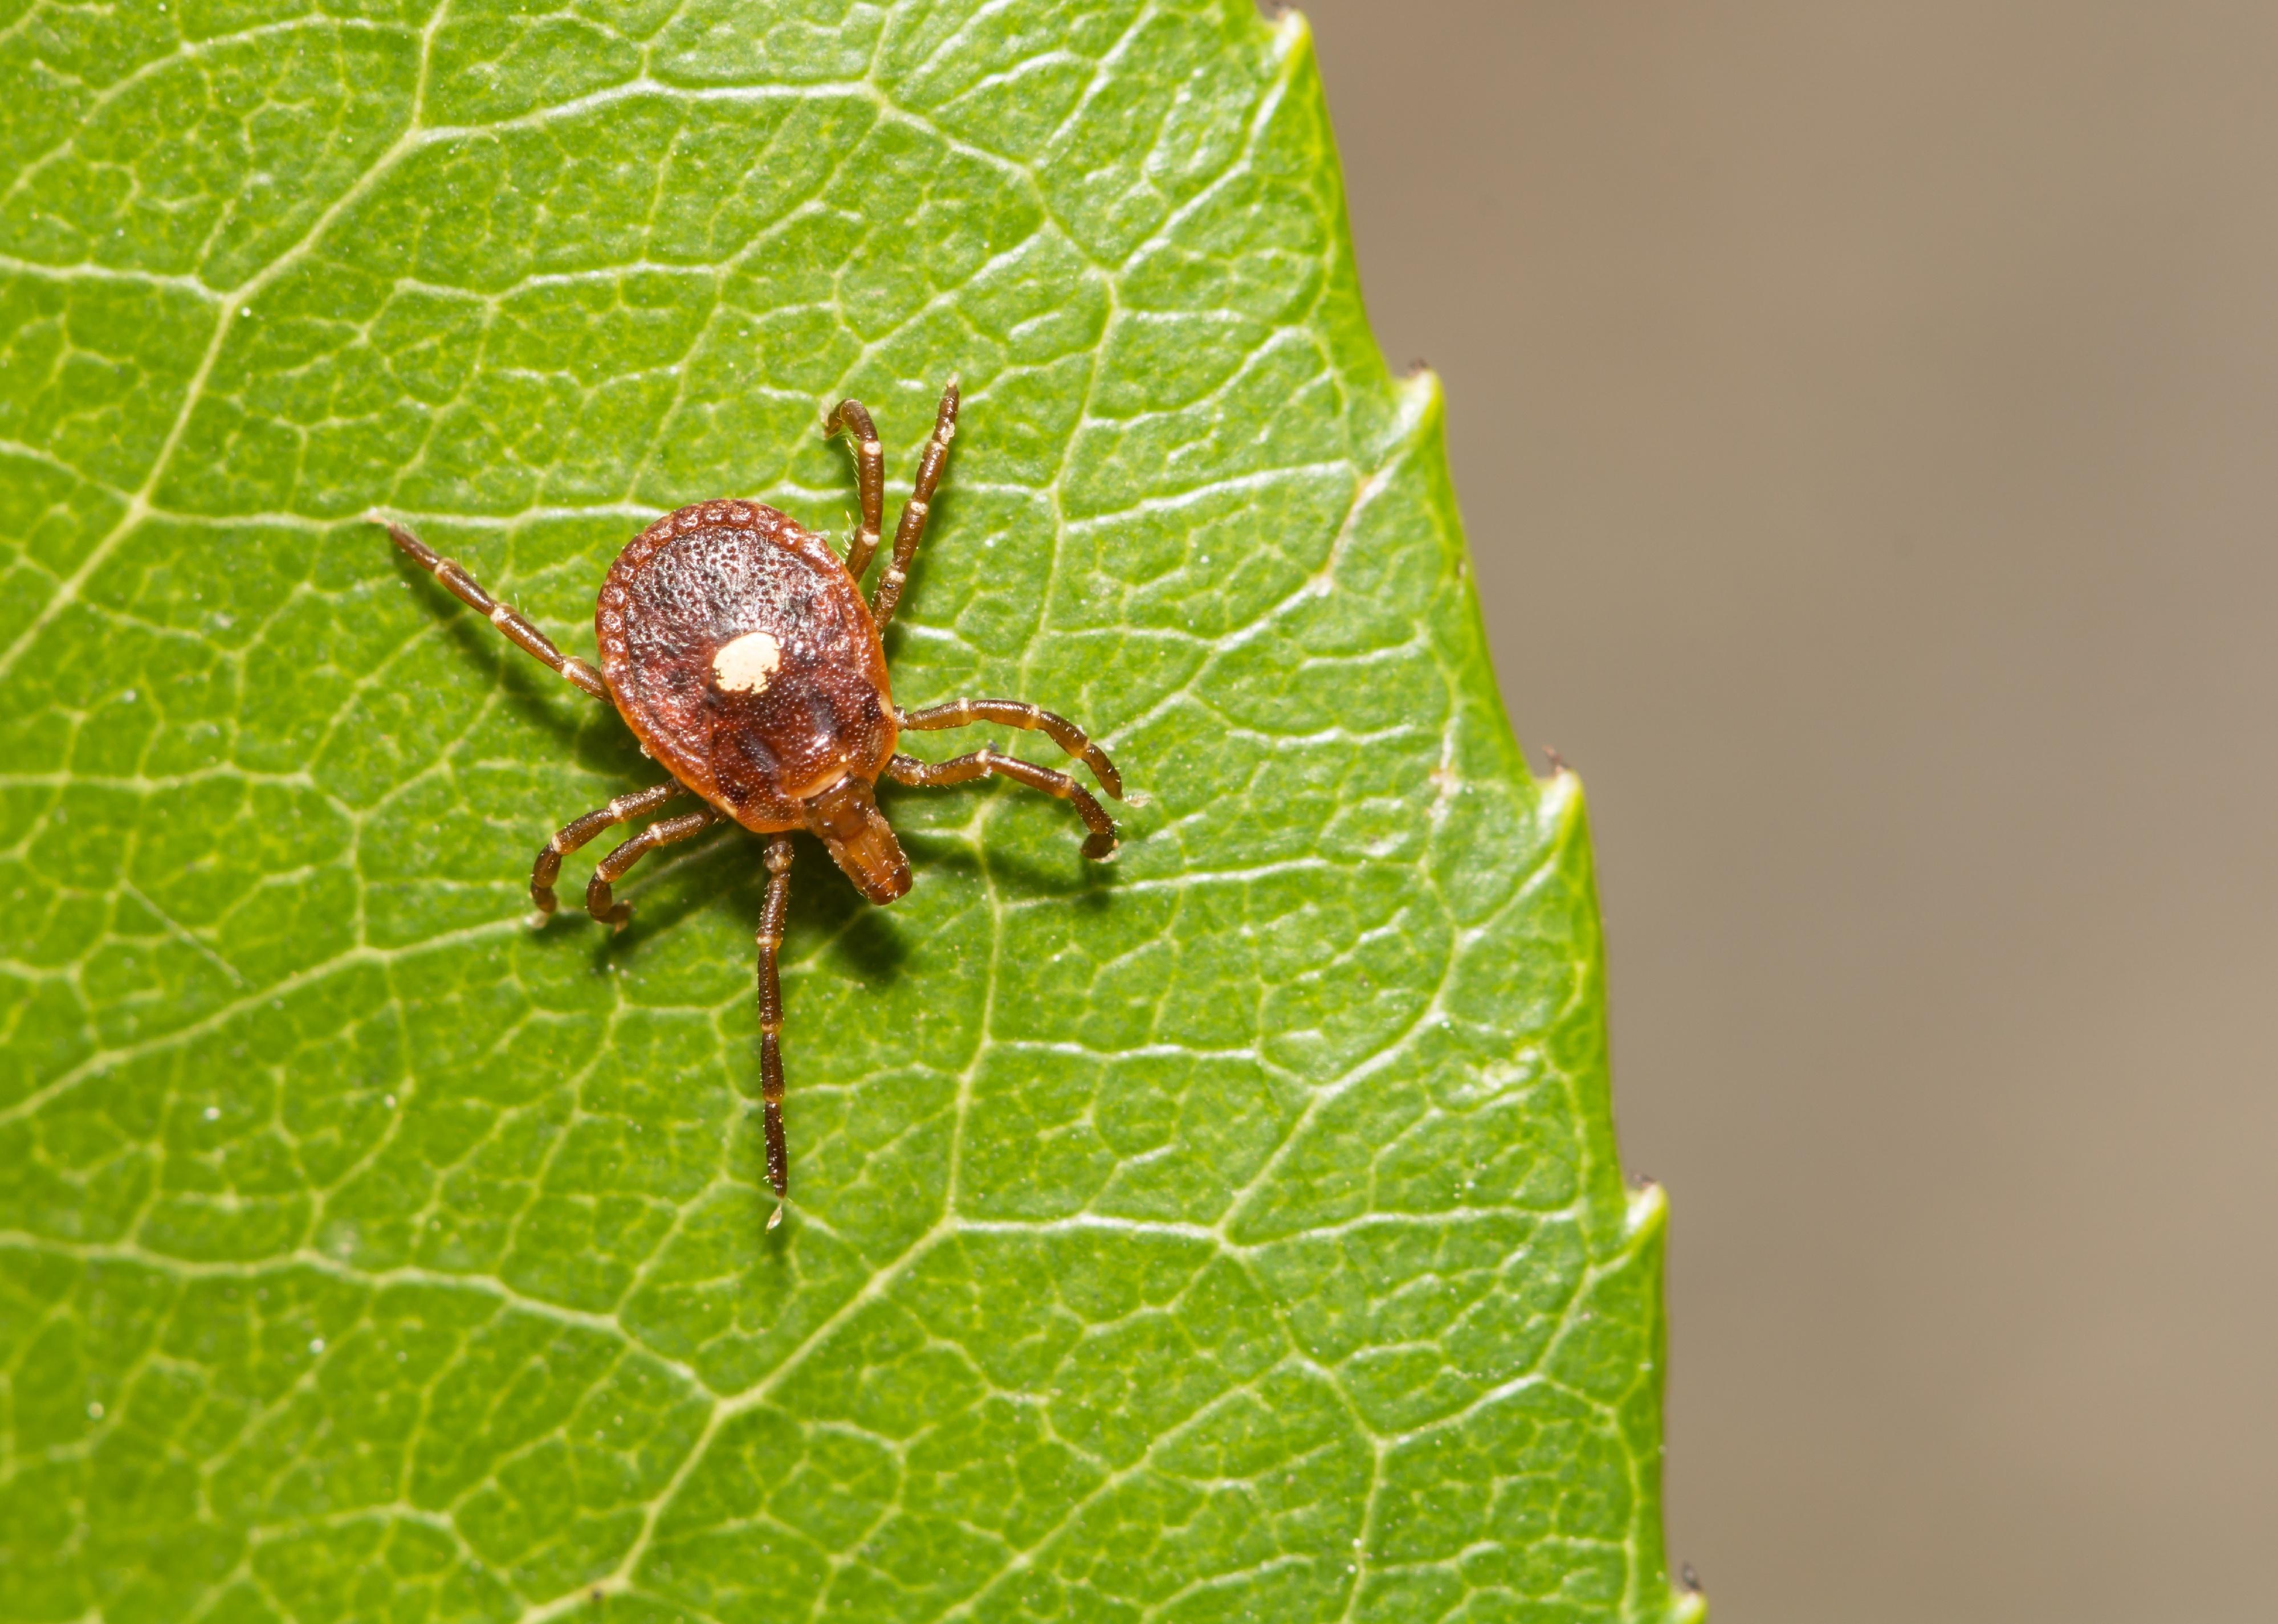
x: 1648, y: 1206
x: 1293, y: 30
x: 1692, y: 1604
x: 1562, y: 799
x: 1422, y: 398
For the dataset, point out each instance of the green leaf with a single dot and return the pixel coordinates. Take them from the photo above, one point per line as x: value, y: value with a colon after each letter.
x: 1235, y: 1231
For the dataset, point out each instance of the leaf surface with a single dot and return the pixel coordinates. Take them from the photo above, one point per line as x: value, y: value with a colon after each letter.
x: 1235, y: 1231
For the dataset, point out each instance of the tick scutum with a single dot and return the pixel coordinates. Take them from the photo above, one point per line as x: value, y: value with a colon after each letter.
x: 738, y: 648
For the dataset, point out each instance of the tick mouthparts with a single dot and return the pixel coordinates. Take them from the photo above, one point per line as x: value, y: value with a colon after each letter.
x: 848, y: 818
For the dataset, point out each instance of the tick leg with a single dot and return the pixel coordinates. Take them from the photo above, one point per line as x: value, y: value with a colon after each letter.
x: 869, y: 478
x: 570, y: 836
x: 518, y: 631
x: 985, y: 763
x: 1019, y: 713
x: 599, y: 902
x: 771, y: 1078
x: 911, y: 529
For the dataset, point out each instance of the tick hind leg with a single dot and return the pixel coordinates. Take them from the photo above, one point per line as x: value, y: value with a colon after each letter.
x: 599, y: 901
x: 518, y: 630
x: 911, y: 529
x: 771, y: 1072
x: 986, y: 763
x: 1020, y: 713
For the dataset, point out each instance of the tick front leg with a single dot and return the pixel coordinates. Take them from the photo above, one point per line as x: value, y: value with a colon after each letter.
x: 985, y: 763
x: 1019, y: 713
x: 870, y: 479
x: 771, y: 1072
x: 518, y: 630
x: 911, y: 529
x: 599, y: 901
x: 570, y: 836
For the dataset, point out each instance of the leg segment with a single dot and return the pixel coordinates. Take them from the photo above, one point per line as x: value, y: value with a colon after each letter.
x: 518, y: 631
x: 869, y: 478
x: 570, y: 836
x: 984, y: 763
x: 1017, y: 714
x: 908, y: 532
x: 599, y: 902
x: 771, y: 1076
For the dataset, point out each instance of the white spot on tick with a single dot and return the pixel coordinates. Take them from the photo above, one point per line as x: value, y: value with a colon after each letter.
x: 743, y: 666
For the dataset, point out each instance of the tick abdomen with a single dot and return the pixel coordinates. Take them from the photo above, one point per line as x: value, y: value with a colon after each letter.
x: 739, y: 650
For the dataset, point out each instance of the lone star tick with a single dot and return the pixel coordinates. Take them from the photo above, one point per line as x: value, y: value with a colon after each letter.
x: 736, y: 646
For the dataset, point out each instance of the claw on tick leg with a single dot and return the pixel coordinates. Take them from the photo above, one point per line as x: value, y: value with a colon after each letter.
x: 776, y: 1217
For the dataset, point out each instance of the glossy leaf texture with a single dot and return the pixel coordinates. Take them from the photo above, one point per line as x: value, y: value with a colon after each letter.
x: 1232, y: 1232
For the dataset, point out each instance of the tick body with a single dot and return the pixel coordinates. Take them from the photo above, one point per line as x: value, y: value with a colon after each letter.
x: 738, y: 646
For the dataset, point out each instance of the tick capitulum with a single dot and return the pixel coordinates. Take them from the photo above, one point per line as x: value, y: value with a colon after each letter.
x: 736, y: 644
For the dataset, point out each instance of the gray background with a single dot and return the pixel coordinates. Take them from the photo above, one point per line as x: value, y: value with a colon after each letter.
x: 1865, y: 417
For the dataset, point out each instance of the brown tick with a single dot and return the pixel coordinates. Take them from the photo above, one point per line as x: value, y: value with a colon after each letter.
x: 736, y: 646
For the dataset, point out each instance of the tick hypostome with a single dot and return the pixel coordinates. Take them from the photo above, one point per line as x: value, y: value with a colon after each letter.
x: 737, y: 646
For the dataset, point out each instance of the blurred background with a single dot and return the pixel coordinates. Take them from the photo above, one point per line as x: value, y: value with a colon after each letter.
x: 1866, y: 418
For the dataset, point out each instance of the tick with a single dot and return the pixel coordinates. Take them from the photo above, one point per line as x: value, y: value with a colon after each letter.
x: 737, y: 647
